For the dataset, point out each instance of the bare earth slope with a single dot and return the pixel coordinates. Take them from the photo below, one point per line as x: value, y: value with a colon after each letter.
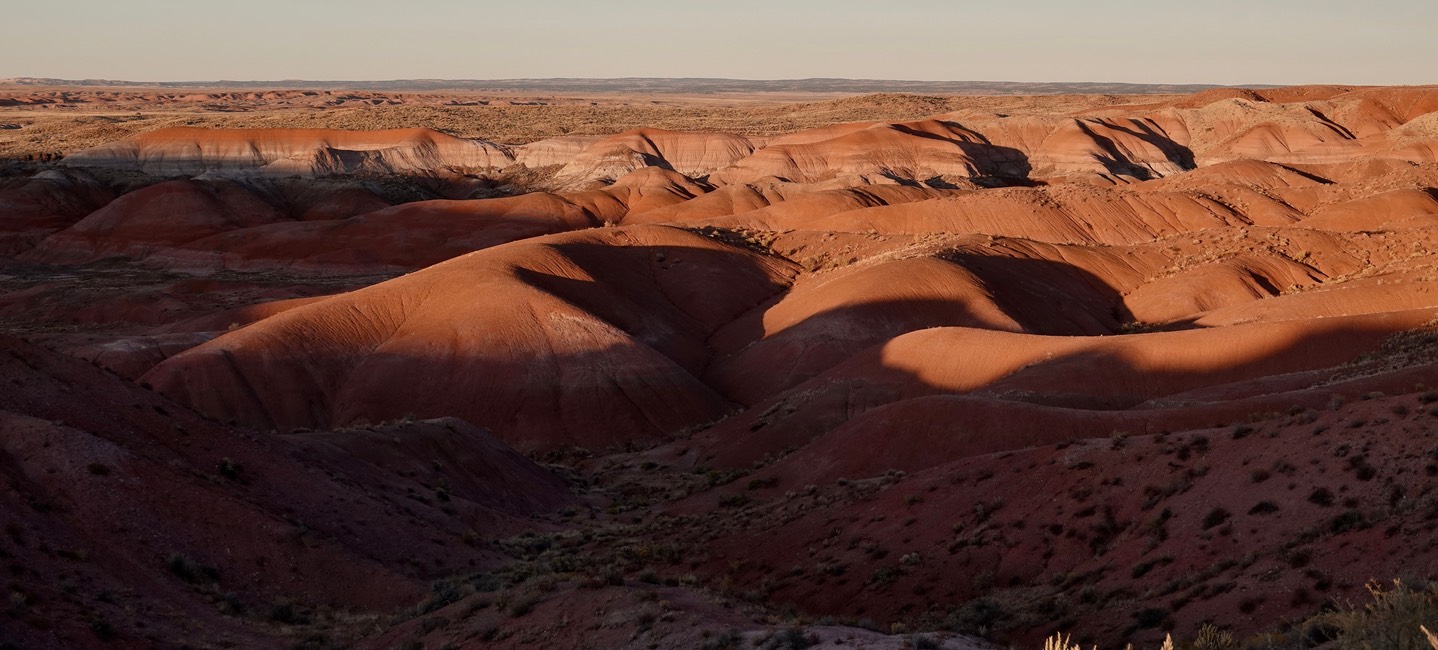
x: 934, y: 366
x: 248, y: 519
x: 602, y: 333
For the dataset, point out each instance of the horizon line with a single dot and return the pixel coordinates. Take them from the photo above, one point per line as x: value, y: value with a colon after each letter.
x: 295, y: 80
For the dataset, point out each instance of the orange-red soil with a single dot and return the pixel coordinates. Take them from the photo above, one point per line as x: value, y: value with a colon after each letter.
x: 1118, y: 371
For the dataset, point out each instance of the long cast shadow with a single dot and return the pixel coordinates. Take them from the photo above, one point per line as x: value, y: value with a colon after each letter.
x: 1121, y: 387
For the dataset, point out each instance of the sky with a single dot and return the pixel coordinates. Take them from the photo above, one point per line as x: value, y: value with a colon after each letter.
x: 1159, y: 41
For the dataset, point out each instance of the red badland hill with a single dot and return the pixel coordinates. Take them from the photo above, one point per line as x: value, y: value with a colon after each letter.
x: 1118, y: 371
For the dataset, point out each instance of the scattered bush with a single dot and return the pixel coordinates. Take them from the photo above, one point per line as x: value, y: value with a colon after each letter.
x: 1060, y: 642
x: 755, y: 484
x: 922, y: 642
x: 790, y: 639
x: 283, y: 610
x: 230, y: 469
x: 103, y: 630
x: 1151, y: 617
x: 1296, y: 558
x: 1394, y: 618
x: 733, y: 500
x: 1215, y: 517
x: 727, y: 640
x: 1143, y: 568
x: 980, y: 617
x: 1349, y: 520
x: 521, y: 605
x: 1263, y: 508
x: 884, y: 576
x: 1211, y: 638
x: 191, y: 571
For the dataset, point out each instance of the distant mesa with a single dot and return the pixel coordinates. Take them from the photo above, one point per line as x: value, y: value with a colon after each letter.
x: 641, y: 85
x: 1119, y: 144
x: 293, y: 152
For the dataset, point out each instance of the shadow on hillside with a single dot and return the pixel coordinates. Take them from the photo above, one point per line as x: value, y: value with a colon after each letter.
x: 320, y: 226
x: 672, y: 318
x: 1225, y: 377
x: 1116, y: 162
x: 666, y: 338
x: 598, y: 358
x: 680, y: 309
x: 1006, y: 294
x: 997, y: 164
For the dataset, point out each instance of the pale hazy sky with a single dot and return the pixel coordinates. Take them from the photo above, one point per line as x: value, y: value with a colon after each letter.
x: 1158, y: 41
